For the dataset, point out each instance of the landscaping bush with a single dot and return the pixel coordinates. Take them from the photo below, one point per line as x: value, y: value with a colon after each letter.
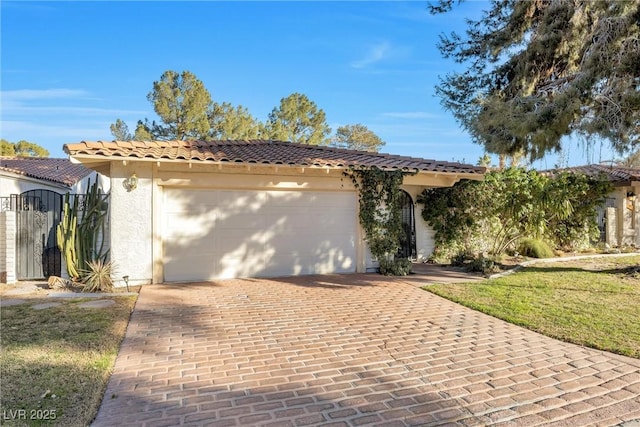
x: 484, y: 265
x: 535, y: 248
x: 509, y: 205
x: 460, y: 259
x: 395, y: 267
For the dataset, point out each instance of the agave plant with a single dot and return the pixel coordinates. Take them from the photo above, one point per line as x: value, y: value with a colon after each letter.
x: 97, y: 277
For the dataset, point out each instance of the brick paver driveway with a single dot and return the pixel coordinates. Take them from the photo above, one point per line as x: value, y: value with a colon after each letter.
x: 350, y: 350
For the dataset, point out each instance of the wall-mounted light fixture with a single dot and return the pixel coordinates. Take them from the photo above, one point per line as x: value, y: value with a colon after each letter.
x: 130, y: 183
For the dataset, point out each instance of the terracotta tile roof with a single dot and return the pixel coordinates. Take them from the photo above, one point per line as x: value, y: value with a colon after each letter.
x: 60, y: 171
x: 617, y: 175
x: 262, y: 152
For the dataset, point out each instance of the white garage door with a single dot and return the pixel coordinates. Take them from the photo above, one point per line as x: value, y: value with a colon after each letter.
x: 219, y: 234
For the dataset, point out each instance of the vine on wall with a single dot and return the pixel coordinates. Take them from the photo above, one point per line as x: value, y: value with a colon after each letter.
x: 381, y: 215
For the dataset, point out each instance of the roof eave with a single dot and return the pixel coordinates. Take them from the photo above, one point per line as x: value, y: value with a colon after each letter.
x: 95, y: 161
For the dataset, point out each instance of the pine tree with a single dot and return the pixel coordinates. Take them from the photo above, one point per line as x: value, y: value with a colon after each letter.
x: 181, y: 102
x: 229, y: 122
x: 120, y: 131
x: 357, y: 137
x: 298, y: 119
x: 539, y: 70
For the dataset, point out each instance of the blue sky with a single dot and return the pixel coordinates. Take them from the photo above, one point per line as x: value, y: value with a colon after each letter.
x: 70, y: 69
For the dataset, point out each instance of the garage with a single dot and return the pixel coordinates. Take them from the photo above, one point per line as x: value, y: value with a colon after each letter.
x: 189, y: 211
x: 210, y: 234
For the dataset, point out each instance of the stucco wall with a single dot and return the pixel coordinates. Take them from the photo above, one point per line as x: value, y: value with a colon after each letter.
x: 135, y: 216
x: 3, y: 248
x: 82, y: 186
x: 7, y: 247
x: 11, y: 183
x: 131, y: 223
x: 627, y: 216
x: 18, y: 184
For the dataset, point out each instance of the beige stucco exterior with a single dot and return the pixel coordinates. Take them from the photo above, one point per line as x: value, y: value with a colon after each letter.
x: 136, y: 216
x: 624, y: 218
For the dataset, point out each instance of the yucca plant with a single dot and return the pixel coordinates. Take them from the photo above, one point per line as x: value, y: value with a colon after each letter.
x: 97, y: 277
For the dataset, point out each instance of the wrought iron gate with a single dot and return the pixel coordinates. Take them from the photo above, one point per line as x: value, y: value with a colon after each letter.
x: 38, y: 213
x: 408, y: 240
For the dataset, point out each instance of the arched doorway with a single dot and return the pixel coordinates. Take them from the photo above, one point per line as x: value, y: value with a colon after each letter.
x: 38, y: 214
x: 408, y: 239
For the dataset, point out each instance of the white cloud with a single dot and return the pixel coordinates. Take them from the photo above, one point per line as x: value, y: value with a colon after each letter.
x: 411, y: 115
x: 35, y: 94
x: 16, y: 129
x: 77, y: 111
x: 376, y: 53
x: 17, y: 104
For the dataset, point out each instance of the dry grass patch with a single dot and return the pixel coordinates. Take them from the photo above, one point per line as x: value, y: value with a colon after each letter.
x: 593, y: 302
x: 55, y: 363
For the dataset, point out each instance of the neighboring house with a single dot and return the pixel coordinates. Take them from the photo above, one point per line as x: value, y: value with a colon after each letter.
x: 31, y: 197
x: 619, y: 216
x: 197, y: 211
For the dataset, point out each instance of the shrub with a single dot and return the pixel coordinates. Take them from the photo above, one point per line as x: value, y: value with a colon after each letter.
x: 535, y: 248
x: 98, y: 276
x: 491, y: 215
x: 395, y: 267
x: 484, y: 265
x: 459, y: 259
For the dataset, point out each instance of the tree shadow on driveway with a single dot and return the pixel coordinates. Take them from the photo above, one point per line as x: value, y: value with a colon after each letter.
x: 269, y: 352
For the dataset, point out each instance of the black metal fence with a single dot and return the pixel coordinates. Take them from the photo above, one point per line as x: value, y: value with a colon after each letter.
x: 38, y: 213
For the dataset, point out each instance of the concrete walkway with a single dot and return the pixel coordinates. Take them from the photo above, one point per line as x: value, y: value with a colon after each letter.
x: 350, y: 350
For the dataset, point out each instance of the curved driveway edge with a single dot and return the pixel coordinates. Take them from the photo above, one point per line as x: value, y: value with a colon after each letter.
x: 350, y: 350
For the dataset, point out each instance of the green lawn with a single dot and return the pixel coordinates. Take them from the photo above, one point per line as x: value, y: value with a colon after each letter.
x: 55, y: 363
x: 593, y: 302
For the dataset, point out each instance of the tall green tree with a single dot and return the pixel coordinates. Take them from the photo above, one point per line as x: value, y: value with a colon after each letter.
x: 298, y: 119
x: 229, y: 122
x: 120, y: 131
x: 535, y: 71
x: 357, y: 137
x: 143, y: 131
x: 22, y: 148
x: 7, y: 148
x: 181, y: 101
